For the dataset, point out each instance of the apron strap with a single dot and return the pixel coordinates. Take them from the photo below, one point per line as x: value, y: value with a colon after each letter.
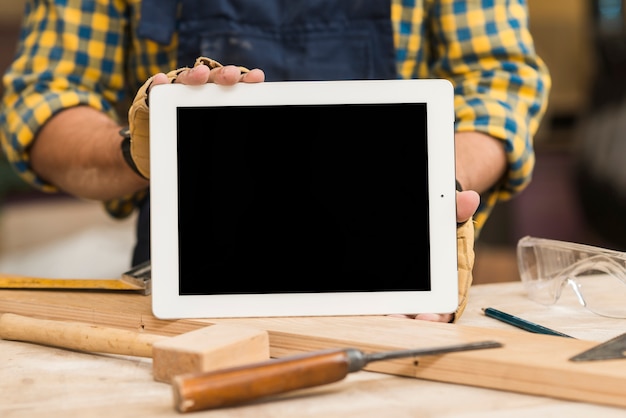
x: 158, y: 20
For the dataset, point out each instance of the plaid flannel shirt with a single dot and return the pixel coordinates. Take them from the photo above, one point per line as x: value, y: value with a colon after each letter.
x: 74, y: 52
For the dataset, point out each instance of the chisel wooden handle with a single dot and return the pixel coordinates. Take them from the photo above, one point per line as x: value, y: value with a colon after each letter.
x: 220, y: 388
x: 77, y: 336
x: 227, y: 387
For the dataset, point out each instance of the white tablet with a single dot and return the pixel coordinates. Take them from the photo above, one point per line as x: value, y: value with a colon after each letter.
x: 303, y: 199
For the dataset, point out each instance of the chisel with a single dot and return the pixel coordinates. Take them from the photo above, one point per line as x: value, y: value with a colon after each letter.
x: 231, y: 386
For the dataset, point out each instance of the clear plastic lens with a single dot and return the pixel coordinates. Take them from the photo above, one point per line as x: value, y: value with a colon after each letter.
x: 547, y: 267
x: 595, y: 289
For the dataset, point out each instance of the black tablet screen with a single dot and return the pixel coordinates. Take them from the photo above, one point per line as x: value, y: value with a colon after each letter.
x: 322, y: 198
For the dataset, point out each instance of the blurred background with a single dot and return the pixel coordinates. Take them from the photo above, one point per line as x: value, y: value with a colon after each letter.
x: 578, y: 191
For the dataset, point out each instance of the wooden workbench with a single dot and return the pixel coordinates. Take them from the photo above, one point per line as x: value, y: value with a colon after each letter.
x: 49, y: 382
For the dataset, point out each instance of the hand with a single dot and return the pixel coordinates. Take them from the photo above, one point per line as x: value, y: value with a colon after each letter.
x: 204, y: 71
x: 202, y: 74
x: 466, y: 205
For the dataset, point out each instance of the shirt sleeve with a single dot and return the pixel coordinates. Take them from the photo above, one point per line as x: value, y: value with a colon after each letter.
x: 70, y: 53
x: 501, y: 85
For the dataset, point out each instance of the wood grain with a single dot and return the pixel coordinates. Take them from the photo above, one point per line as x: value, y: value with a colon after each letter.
x: 207, y: 349
x: 527, y: 363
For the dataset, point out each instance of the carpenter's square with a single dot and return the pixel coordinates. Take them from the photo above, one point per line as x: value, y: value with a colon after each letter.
x: 612, y: 349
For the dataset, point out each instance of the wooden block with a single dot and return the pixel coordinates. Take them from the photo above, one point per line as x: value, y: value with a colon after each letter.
x: 209, y: 348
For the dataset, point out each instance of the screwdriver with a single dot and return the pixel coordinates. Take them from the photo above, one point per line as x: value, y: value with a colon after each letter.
x: 231, y: 386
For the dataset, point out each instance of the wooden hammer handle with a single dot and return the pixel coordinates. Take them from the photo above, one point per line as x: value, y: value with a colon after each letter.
x: 77, y: 336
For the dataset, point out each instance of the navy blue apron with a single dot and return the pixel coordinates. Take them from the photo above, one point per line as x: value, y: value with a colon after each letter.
x: 288, y: 39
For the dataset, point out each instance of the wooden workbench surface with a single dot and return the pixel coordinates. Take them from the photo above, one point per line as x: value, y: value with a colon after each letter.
x: 44, y: 381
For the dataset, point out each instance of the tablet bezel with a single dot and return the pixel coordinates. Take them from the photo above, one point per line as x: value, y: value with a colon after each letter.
x: 167, y: 303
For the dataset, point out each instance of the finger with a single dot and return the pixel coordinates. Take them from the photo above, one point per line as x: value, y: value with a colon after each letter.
x: 231, y: 74
x: 466, y: 205
x: 253, y: 76
x: 195, y: 76
x: 434, y: 317
x: 160, y: 78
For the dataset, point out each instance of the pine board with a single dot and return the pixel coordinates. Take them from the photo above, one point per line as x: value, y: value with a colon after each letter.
x: 527, y: 363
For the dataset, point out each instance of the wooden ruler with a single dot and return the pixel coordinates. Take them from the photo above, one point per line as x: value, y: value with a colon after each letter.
x: 25, y: 282
x: 527, y: 363
x: 136, y: 279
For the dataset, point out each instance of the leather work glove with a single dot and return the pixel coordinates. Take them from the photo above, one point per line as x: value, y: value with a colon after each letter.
x: 139, y: 119
x: 465, y: 260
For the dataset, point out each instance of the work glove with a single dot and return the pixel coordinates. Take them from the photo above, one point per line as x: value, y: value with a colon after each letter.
x: 465, y: 261
x: 139, y: 120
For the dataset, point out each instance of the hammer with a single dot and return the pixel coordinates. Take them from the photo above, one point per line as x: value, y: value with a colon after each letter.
x: 205, y: 349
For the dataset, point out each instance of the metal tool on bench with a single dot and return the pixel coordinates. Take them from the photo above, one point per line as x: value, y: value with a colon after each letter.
x: 612, y: 349
x: 136, y: 279
x: 227, y: 387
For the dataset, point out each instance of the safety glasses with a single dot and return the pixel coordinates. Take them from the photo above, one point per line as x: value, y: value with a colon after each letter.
x: 597, y: 276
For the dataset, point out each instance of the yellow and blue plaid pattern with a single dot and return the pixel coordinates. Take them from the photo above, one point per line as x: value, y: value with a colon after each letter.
x: 501, y: 86
x: 75, y: 52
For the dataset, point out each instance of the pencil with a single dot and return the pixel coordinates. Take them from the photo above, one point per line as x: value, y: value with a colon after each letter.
x: 521, y: 323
